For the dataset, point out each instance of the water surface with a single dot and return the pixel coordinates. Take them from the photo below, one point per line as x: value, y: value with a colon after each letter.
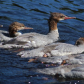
x: 35, y: 13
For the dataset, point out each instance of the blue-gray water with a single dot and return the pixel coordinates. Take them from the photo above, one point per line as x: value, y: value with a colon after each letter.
x: 35, y: 13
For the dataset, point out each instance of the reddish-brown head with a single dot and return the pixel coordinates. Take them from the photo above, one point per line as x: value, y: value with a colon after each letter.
x: 80, y: 41
x: 16, y: 26
x: 59, y: 16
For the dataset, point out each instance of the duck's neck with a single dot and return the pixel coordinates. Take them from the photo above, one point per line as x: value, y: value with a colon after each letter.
x: 53, y: 30
x: 15, y: 33
x: 52, y: 25
x: 12, y: 33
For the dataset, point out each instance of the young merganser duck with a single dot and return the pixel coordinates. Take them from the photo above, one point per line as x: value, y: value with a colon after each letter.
x: 15, y: 27
x: 71, y: 67
x: 35, y: 39
x: 55, y: 49
x: 72, y: 71
x: 13, y: 31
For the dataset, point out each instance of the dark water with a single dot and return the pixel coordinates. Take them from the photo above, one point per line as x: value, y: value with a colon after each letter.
x: 35, y: 13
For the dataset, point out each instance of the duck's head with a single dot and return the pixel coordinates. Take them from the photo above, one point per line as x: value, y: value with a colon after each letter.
x: 59, y: 16
x: 80, y: 41
x: 56, y: 17
x: 15, y: 27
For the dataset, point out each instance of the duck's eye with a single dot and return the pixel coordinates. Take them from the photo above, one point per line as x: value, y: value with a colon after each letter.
x: 61, y: 16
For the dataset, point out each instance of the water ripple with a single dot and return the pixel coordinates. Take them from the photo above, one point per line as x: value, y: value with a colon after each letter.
x: 37, y: 10
x: 14, y: 4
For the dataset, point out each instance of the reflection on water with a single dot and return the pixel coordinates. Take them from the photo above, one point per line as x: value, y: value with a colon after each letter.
x: 35, y: 13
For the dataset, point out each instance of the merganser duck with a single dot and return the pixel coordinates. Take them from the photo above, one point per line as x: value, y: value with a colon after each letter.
x: 72, y: 71
x: 35, y: 39
x: 15, y: 27
x: 55, y: 49
x: 13, y: 31
x: 73, y: 66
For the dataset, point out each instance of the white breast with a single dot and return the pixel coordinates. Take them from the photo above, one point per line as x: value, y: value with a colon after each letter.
x: 18, y: 33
